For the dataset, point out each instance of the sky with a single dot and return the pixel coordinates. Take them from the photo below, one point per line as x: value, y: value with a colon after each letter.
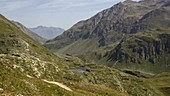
x: 56, y: 13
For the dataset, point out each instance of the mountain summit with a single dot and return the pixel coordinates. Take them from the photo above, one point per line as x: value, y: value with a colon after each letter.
x: 47, y: 32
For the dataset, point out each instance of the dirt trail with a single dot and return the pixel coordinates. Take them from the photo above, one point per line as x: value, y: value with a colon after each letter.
x: 59, y: 84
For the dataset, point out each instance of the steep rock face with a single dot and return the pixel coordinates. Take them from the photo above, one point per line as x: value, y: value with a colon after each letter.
x: 137, y: 48
x: 158, y: 18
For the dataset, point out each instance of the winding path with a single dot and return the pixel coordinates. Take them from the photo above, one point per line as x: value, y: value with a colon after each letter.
x: 59, y: 84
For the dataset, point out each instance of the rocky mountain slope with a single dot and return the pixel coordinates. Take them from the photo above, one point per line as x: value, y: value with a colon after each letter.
x: 30, y: 33
x: 121, y: 28
x: 47, y: 32
x: 29, y: 69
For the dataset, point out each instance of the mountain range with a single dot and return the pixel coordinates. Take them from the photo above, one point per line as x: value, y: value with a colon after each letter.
x: 129, y: 35
x: 29, y: 69
x: 47, y: 32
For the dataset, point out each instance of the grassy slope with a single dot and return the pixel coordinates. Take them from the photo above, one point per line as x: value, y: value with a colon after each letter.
x: 105, y: 78
x: 162, y: 83
x: 13, y: 82
x: 79, y: 46
x: 21, y: 56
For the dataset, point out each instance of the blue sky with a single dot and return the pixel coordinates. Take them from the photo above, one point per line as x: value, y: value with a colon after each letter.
x: 59, y: 13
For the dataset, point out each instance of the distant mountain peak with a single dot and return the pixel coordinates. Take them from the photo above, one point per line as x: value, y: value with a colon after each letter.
x: 43, y: 26
x: 40, y: 26
x: 47, y: 32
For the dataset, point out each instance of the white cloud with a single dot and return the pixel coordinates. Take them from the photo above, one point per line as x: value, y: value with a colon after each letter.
x: 11, y: 5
